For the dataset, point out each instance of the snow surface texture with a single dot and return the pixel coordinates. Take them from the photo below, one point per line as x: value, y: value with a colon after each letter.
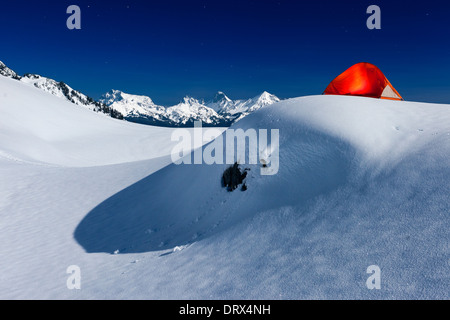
x: 361, y: 182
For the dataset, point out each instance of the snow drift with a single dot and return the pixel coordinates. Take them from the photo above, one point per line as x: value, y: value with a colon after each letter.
x: 361, y: 182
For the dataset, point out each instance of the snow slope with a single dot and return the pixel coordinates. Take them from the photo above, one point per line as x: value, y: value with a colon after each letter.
x: 40, y: 127
x: 61, y: 90
x: 361, y: 182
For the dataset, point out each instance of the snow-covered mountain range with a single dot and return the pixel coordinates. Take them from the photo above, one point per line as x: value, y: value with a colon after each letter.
x: 220, y: 111
x: 61, y: 90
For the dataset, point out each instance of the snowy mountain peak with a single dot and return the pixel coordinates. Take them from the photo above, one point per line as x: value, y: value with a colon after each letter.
x: 142, y: 109
x: 266, y: 98
x: 117, y: 95
x: 190, y: 110
x: 221, y: 97
x: 134, y: 107
x: 190, y: 101
x: 237, y: 109
x: 114, y: 96
x: 7, y: 72
x: 220, y: 103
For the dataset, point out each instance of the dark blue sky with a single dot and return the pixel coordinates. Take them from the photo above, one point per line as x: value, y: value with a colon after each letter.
x: 167, y: 49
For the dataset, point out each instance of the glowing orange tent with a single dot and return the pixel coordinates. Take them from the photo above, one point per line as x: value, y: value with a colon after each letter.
x: 363, y: 79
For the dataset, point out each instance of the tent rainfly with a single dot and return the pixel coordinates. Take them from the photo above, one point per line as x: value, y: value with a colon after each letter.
x: 363, y: 79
